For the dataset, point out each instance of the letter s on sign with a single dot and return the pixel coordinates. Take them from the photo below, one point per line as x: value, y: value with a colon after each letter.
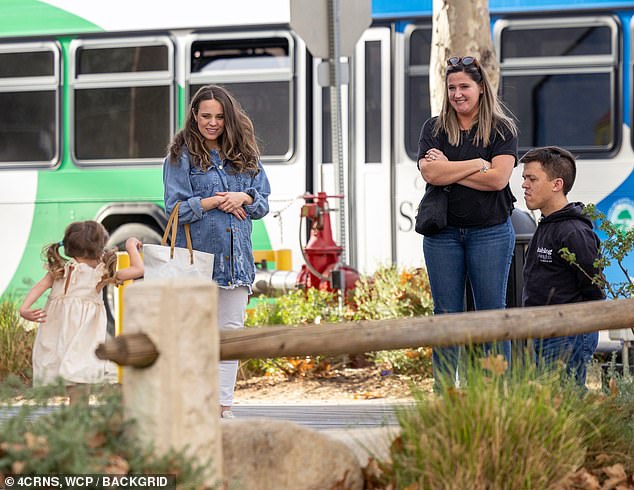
x: 406, y: 210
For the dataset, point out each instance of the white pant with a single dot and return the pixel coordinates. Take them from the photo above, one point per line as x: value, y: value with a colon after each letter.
x: 232, y: 307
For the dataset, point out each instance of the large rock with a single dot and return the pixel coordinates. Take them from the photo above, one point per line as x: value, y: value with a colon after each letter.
x: 367, y: 443
x: 266, y: 454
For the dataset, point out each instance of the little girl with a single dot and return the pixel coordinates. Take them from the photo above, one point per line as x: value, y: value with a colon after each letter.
x: 73, y: 322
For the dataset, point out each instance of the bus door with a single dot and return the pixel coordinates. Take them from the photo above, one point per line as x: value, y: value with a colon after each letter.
x: 370, y: 186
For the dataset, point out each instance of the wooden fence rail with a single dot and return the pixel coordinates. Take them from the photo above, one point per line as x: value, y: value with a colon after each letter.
x: 442, y: 330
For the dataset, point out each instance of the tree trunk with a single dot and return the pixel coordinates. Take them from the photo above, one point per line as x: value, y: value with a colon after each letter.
x: 442, y: 330
x: 460, y: 28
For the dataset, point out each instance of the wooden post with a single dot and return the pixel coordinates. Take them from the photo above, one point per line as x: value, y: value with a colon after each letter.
x: 441, y: 330
x: 175, y: 401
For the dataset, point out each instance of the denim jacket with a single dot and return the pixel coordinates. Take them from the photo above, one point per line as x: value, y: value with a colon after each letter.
x: 215, y: 231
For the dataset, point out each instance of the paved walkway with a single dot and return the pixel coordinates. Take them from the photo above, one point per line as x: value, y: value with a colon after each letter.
x: 324, y: 415
x: 367, y: 427
x: 319, y: 416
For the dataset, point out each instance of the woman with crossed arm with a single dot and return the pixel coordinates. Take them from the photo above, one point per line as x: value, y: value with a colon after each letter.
x: 472, y: 148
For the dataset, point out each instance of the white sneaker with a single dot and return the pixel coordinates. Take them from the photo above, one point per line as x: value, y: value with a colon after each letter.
x: 227, y: 414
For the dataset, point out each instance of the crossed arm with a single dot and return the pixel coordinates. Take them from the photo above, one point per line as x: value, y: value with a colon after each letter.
x: 436, y: 169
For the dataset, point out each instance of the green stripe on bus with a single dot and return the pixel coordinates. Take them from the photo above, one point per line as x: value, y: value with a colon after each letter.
x: 31, y: 17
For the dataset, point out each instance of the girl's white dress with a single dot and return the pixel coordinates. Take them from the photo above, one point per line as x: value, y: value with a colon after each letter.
x: 75, y: 324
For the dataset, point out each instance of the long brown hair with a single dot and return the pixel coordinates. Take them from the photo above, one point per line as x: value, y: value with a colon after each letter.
x: 237, y: 141
x: 492, y: 114
x: 85, y: 239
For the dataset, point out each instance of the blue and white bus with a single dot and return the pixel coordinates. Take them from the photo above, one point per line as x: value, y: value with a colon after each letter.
x: 566, y: 73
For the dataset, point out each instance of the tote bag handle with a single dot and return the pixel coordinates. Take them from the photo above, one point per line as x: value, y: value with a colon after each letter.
x: 172, y: 223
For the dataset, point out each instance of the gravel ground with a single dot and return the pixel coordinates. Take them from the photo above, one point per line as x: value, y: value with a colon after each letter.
x: 345, y: 385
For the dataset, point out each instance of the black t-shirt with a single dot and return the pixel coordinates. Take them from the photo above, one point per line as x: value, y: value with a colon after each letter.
x: 469, y: 207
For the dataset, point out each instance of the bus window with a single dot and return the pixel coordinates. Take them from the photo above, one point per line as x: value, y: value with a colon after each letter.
x: 123, y: 60
x: 549, y: 111
x: 573, y: 41
x: 560, y: 80
x: 259, y: 72
x: 373, y: 107
x: 417, y: 97
x: 122, y: 100
x: 27, y: 64
x: 326, y: 133
x: 29, y: 104
x: 326, y: 121
x: 373, y: 126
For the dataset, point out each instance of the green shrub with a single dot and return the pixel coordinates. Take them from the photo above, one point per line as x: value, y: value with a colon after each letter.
x: 388, y: 293
x: 83, y: 440
x: 612, y: 418
x: 297, y: 307
x: 498, y: 432
x: 412, y: 362
x: 16, y: 342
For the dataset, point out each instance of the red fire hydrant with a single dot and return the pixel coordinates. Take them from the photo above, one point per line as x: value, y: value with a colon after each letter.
x: 322, y: 269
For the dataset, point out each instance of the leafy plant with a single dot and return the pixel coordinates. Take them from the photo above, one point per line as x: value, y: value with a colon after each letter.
x: 507, y: 430
x: 412, y: 362
x: 615, y: 247
x: 520, y: 429
x: 610, y: 427
x: 16, y: 342
x: 388, y: 293
x: 82, y: 439
x: 297, y: 307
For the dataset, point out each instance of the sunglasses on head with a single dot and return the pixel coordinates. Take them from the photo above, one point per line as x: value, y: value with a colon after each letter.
x: 466, y: 61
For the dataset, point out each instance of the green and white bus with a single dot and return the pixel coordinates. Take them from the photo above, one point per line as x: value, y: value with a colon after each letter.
x: 91, y: 93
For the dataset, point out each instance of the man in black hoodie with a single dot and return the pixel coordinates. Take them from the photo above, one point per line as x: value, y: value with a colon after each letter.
x: 549, y: 174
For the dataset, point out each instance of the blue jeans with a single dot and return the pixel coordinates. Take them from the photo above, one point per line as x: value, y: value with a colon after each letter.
x: 575, y: 351
x: 483, y: 255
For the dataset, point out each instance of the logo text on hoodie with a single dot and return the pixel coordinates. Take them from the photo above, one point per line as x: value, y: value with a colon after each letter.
x: 545, y: 255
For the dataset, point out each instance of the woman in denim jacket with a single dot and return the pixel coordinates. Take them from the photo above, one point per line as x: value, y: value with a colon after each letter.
x: 213, y: 168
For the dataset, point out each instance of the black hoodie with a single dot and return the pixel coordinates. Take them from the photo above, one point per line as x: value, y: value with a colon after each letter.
x: 548, y: 278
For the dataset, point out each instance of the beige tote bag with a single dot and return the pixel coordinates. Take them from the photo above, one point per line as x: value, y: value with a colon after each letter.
x: 164, y: 262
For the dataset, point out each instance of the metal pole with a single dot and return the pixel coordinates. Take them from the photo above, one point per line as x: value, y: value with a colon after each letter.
x: 335, y: 116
